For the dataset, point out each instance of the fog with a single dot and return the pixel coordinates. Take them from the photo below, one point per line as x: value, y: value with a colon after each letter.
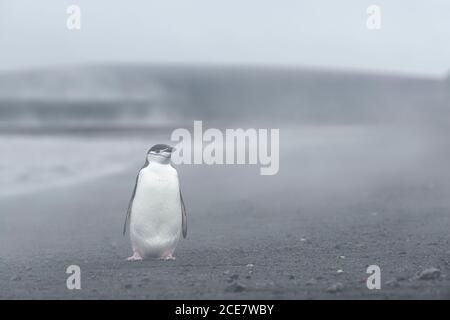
x: 363, y: 118
x: 336, y: 123
x: 412, y: 39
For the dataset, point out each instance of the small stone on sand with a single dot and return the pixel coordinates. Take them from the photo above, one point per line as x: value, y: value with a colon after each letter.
x: 337, y: 287
x: 393, y: 283
x: 16, y: 278
x: 429, y: 274
x: 235, y: 287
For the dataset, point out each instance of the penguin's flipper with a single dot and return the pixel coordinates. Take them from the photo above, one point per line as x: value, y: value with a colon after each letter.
x: 130, y: 205
x: 183, y: 216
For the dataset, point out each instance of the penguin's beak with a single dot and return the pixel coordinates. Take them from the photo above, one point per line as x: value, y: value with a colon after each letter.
x: 171, y: 149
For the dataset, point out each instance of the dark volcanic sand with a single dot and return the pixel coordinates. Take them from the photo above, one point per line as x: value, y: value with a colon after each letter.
x: 297, y: 234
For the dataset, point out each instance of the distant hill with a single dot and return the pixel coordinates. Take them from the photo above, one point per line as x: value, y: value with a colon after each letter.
x: 151, y: 94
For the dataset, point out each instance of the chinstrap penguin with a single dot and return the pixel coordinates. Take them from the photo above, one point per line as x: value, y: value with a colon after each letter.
x: 156, y: 214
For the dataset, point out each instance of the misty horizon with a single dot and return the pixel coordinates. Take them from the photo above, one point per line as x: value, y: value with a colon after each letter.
x: 250, y: 33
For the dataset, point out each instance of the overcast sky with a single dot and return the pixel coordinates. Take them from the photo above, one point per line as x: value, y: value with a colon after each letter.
x: 415, y: 34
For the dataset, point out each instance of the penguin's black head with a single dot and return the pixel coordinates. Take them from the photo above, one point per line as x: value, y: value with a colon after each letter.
x: 162, y: 150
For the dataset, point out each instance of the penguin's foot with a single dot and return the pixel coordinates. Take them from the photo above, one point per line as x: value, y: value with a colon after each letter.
x: 168, y: 257
x: 135, y: 257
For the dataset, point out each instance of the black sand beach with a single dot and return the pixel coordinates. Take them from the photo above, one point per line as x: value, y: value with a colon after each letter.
x: 289, y: 236
x: 317, y: 134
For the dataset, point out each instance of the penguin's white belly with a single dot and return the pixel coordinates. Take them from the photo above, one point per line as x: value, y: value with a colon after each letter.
x: 155, y: 224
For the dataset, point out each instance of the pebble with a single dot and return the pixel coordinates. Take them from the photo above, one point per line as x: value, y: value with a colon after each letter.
x: 235, y: 287
x: 233, y: 277
x: 393, y: 283
x: 16, y: 278
x: 337, y: 287
x: 429, y: 274
x: 305, y: 240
